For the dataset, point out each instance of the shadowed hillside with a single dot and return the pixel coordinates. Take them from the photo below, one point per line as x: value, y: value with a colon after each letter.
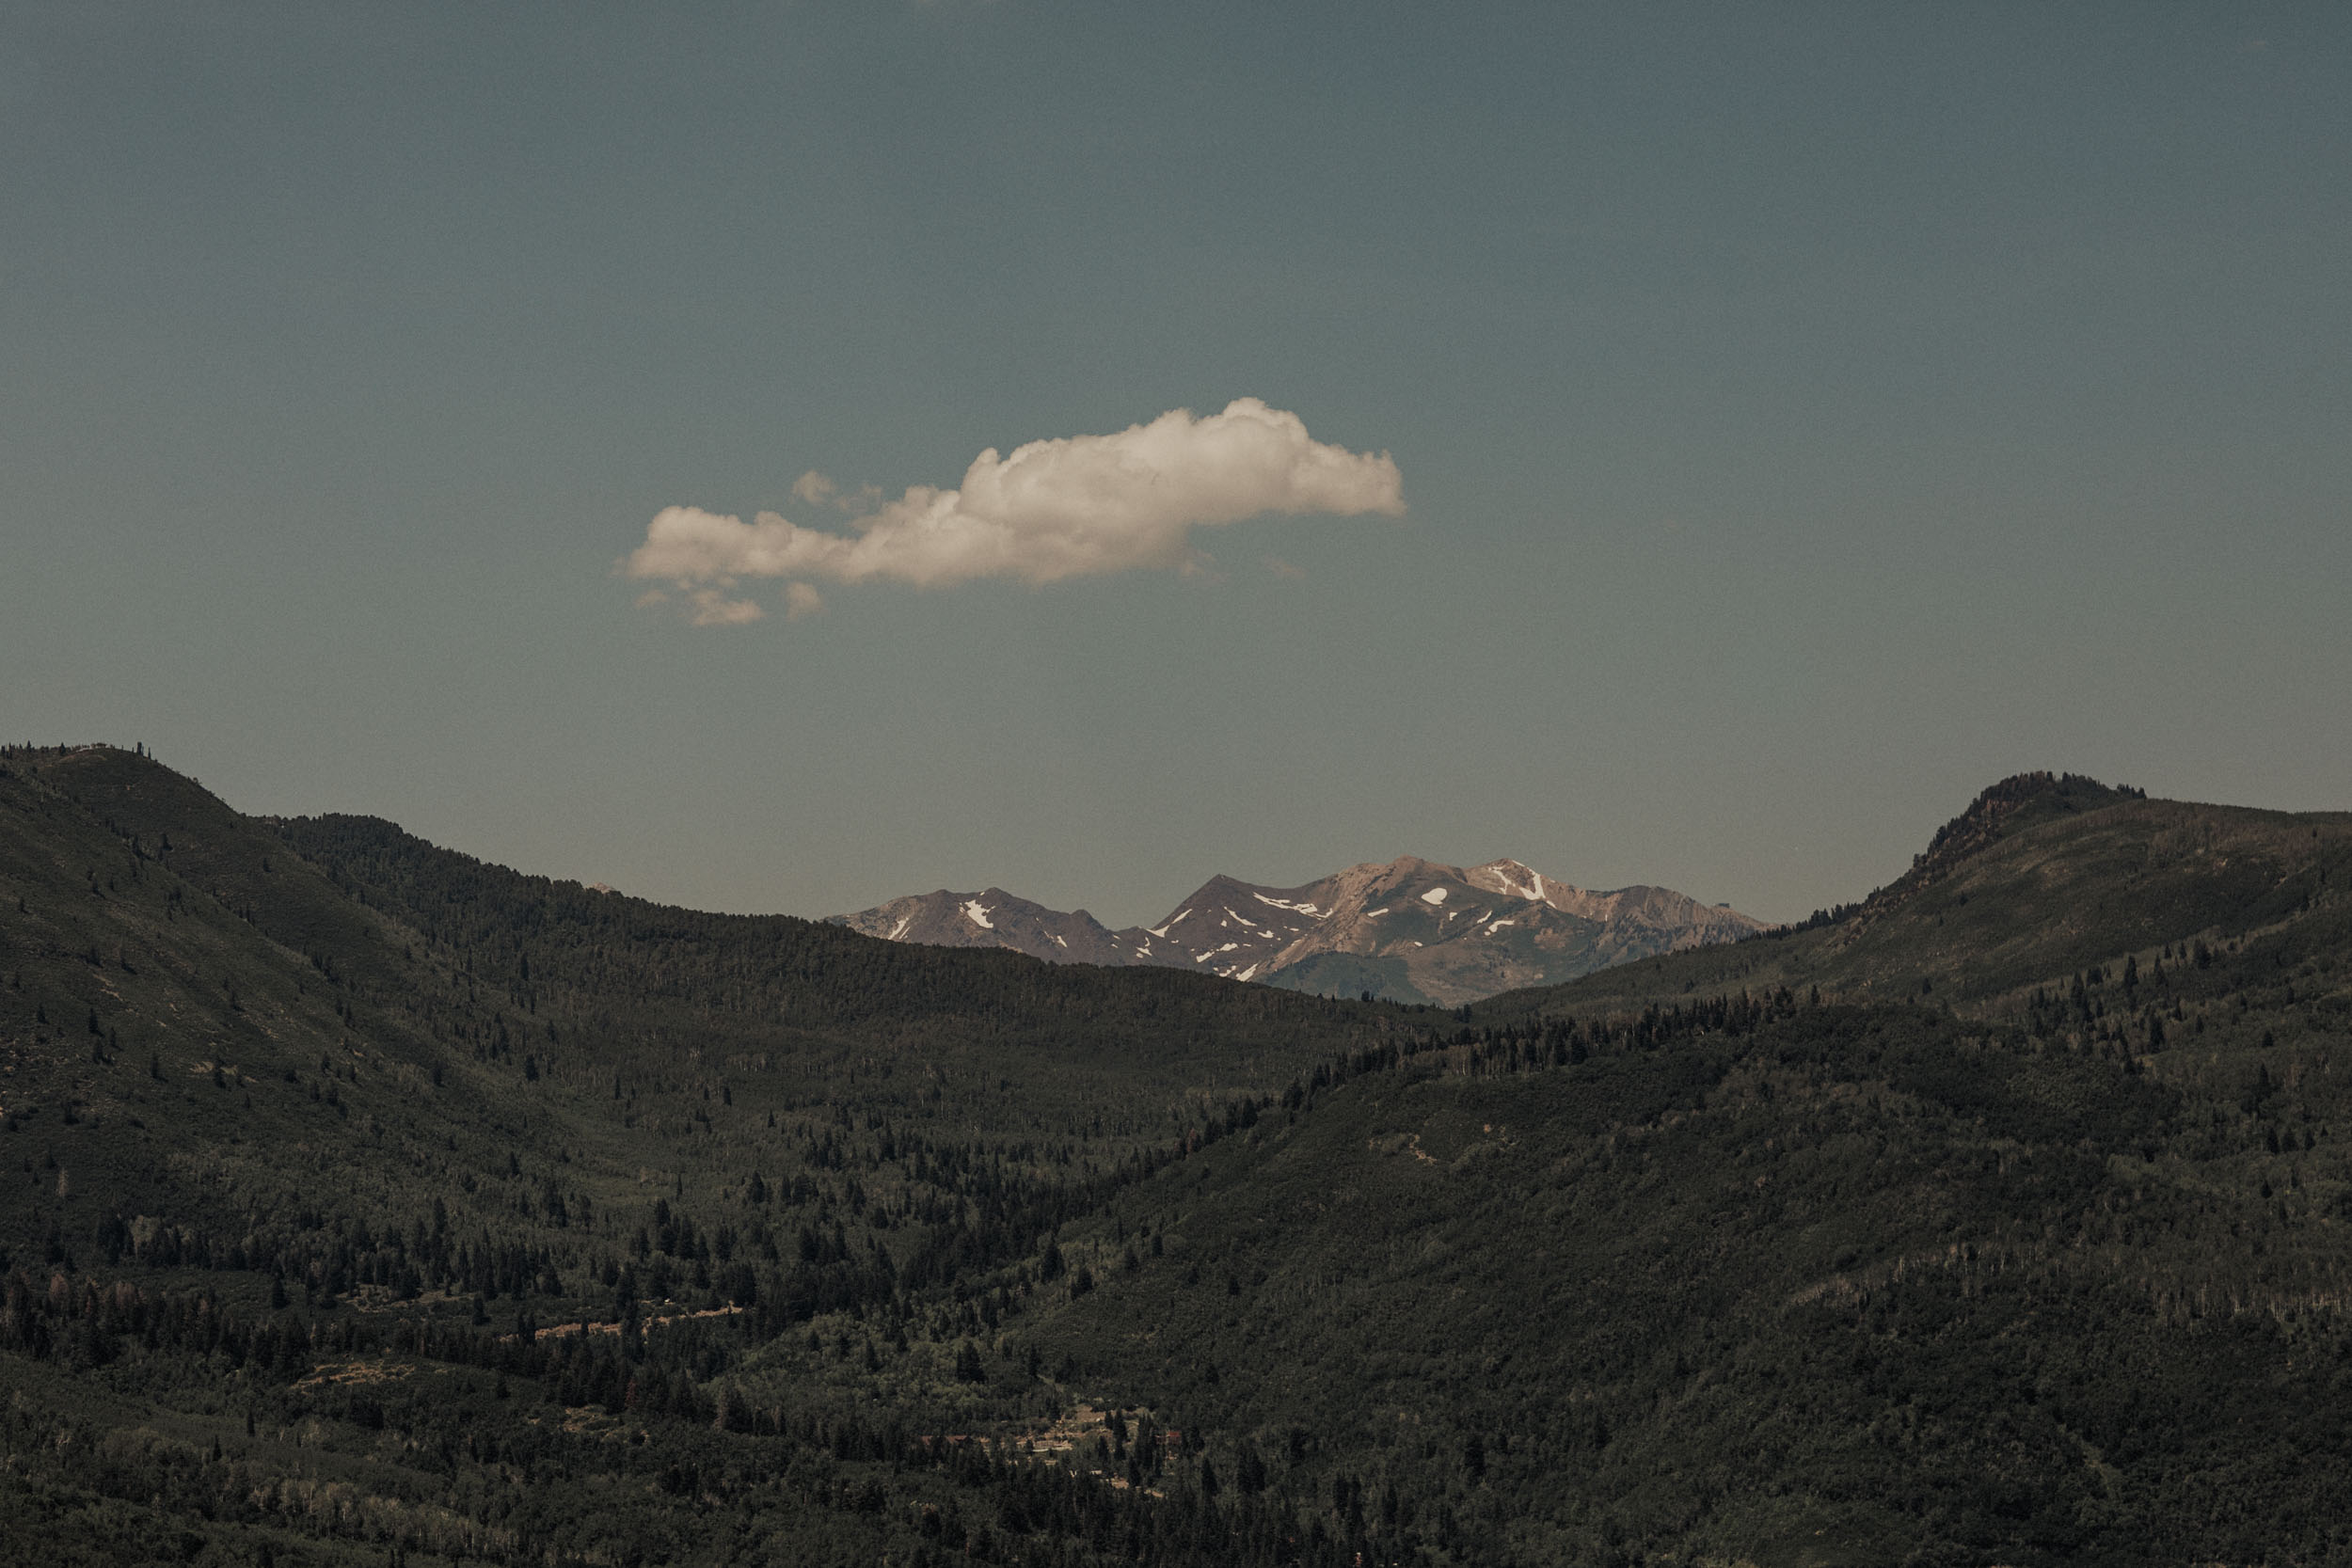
x: 2040, y: 879
x: 346, y: 979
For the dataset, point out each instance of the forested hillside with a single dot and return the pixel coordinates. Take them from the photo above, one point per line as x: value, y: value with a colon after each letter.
x: 2043, y: 879
x: 374, y: 1204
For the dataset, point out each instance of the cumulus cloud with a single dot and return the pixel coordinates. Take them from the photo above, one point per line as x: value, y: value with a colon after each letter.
x: 1071, y: 507
x: 801, y: 599
x: 817, y: 490
x: 712, y: 607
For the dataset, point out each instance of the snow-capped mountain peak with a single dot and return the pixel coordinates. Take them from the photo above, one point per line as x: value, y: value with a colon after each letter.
x: 1409, y: 929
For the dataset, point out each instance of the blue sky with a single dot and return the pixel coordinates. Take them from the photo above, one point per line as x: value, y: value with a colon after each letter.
x: 1804, y: 416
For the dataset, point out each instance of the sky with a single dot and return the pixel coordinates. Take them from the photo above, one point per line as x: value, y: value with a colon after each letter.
x: 783, y: 457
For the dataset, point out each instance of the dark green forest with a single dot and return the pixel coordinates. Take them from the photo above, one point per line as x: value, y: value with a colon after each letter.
x: 375, y: 1205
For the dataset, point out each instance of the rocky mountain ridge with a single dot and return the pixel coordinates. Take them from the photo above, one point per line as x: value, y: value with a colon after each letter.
x: 1408, y: 930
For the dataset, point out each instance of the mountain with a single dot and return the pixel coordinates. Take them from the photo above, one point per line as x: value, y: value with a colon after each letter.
x: 345, y: 1107
x: 2040, y: 880
x: 1410, y: 930
x: 364, y: 1202
x: 1985, y: 1221
x: 992, y: 919
x: 371, y: 1010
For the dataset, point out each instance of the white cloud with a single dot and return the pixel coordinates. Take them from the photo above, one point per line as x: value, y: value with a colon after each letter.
x: 711, y: 606
x: 1075, y: 506
x: 817, y: 490
x: 801, y: 599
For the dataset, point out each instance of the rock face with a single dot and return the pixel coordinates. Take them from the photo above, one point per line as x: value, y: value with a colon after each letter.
x: 1410, y: 930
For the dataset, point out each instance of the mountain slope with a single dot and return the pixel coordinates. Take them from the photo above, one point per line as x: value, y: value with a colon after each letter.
x: 2041, y: 879
x: 1736, y: 1275
x: 1410, y: 930
x: 230, y: 1024
x: 1810, y: 1286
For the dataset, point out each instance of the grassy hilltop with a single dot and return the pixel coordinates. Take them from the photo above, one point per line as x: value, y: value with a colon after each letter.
x: 376, y: 1204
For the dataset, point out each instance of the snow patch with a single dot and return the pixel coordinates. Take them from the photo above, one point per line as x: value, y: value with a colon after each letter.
x: 1435, y: 896
x: 903, y: 923
x: 1247, y: 973
x: 977, y: 915
x: 1534, y: 894
x: 1307, y: 907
